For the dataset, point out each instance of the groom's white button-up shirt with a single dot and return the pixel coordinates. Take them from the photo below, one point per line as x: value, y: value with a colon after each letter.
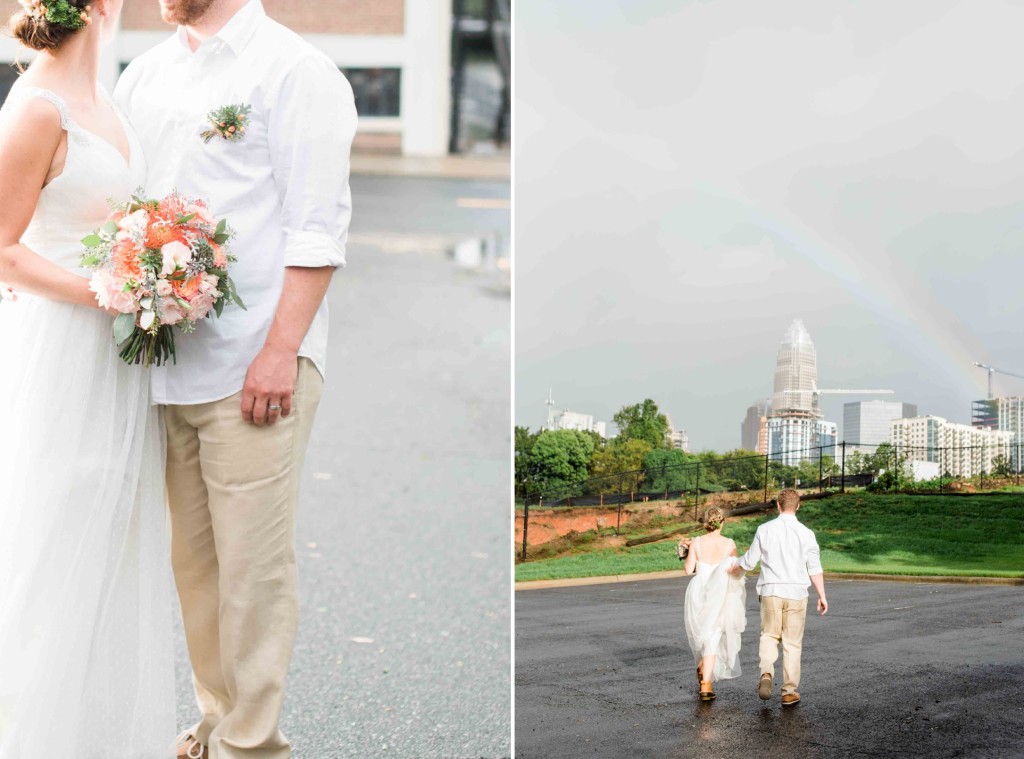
x: 283, y: 187
x: 789, y: 555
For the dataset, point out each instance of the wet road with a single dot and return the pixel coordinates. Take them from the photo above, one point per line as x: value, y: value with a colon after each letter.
x: 404, y: 643
x: 893, y: 670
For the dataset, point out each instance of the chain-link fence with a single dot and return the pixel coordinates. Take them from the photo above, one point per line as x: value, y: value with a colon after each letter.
x: 885, y: 467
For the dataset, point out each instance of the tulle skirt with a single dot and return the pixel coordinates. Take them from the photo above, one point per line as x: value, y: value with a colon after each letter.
x: 86, y: 648
x: 715, y: 615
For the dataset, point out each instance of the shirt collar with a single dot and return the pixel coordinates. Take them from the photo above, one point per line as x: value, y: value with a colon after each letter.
x: 787, y: 515
x: 237, y: 32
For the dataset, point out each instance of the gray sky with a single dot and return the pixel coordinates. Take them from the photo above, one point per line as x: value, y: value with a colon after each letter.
x: 690, y: 177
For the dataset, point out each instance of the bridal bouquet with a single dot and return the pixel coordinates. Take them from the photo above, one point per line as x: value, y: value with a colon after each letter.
x: 162, y: 264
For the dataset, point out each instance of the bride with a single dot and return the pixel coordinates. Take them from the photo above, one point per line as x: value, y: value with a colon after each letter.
x: 715, y: 612
x: 86, y: 660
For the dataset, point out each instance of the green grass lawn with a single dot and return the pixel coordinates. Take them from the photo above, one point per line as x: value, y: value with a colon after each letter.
x: 859, y: 532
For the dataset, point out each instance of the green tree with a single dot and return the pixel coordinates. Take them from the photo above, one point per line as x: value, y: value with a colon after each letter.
x: 857, y: 463
x: 524, y: 440
x: 670, y: 469
x: 558, y: 461
x: 741, y: 470
x: 620, y: 457
x: 642, y: 421
x: 1001, y: 466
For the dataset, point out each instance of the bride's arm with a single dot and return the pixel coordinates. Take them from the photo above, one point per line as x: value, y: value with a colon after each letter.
x: 691, y: 561
x: 29, y: 138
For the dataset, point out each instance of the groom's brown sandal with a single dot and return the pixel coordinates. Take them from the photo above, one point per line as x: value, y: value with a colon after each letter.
x: 764, y: 688
x: 706, y: 692
x: 791, y: 699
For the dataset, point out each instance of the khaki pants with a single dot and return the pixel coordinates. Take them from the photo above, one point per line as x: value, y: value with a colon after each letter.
x: 232, y: 489
x: 782, y: 619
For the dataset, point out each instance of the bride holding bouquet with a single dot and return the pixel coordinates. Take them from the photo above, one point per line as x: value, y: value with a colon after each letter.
x: 715, y: 612
x: 85, y: 586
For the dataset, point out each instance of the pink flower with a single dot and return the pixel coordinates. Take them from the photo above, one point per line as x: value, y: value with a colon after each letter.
x: 163, y: 288
x: 171, y: 311
x: 201, y: 305
x: 176, y: 256
x: 110, y: 292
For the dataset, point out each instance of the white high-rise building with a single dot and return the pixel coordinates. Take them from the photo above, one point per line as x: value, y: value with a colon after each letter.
x: 866, y: 424
x: 796, y: 373
x: 796, y: 428
x: 679, y: 439
x: 959, y: 449
x: 572, y: 420
x: 1006, y: 414
x: 792, y: 439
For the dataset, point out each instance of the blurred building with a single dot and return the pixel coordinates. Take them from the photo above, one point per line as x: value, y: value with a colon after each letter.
x: 796, y: 429
x: 676, y: 438
x: 959, y: 449
x: 571, y: 420
x: 866, y: 424
x: 398, y: 55
x: 754, y: 429
x: 1007, y: 415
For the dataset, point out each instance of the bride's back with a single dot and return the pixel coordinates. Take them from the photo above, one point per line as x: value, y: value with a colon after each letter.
x: 713, y: 548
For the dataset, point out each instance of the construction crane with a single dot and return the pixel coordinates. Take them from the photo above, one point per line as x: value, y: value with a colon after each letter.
x: 854, y: 392
x: 992, y: 370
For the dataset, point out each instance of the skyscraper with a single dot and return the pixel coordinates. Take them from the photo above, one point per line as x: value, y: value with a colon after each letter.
x: 754, y: 429
x: 796, y: 427
x: 1006, y: 414
x: 866, y: 423
x: 796, y: 373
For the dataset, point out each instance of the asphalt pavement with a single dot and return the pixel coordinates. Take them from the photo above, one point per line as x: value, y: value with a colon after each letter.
x: 893, y: 670
x: 404, y: 645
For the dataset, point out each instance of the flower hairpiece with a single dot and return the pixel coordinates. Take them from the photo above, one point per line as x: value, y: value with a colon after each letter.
x: 62, y: 13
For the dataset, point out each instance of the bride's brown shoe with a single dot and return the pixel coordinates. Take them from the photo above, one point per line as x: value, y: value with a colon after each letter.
x: 700, y: 675
x: 706, y: 691
x: 190, y: 748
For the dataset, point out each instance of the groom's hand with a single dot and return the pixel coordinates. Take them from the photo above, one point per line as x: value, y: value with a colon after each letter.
x: 269, y: 382
x: 822, y: 606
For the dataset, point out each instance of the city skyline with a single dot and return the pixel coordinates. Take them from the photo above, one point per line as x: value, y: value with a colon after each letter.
x: 876, y: 195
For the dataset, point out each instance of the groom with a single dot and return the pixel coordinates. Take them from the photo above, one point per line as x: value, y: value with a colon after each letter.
x: 789, y: 556
x: 239, y: 403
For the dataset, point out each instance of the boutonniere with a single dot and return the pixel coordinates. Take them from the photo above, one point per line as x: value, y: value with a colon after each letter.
x: 228, y: 122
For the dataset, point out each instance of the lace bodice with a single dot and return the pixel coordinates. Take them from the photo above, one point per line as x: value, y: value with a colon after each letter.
x: 75, y: 203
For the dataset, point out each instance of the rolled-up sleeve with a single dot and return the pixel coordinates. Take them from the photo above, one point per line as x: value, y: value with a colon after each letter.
x: 813, y: 556
x: 310, y: 134
x: 753, y: 555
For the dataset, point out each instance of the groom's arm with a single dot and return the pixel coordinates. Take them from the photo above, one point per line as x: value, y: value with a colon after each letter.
x: 310, y: 131
x: 816, y: 573
x: 749, y: 560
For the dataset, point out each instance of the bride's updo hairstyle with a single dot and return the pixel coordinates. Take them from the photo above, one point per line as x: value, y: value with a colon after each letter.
x: 47, y: 24
x: 713, y: 519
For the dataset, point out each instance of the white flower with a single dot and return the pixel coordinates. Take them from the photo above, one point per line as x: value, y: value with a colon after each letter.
x: 176, y: 256
x: 135, y: 223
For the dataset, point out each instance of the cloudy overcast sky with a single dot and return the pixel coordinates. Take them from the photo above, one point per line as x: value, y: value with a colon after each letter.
x: 691, y: 177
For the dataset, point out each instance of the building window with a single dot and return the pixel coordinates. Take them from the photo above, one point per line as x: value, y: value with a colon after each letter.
x: 377, y: 90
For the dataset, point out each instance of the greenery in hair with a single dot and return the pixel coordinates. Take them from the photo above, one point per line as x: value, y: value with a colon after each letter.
x: 64, y: 14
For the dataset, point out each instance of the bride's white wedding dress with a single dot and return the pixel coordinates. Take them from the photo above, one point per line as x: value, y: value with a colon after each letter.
x: 715, y: 614
x: 86, y: 659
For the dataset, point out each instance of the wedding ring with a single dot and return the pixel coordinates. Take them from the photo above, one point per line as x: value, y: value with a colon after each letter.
x: 274, y: 408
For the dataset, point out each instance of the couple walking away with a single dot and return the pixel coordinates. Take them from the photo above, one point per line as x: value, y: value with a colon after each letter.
x: 715, y: 609
x: 86, y: 627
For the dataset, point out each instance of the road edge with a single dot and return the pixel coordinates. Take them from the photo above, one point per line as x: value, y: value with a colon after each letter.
x: 830, y: 576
